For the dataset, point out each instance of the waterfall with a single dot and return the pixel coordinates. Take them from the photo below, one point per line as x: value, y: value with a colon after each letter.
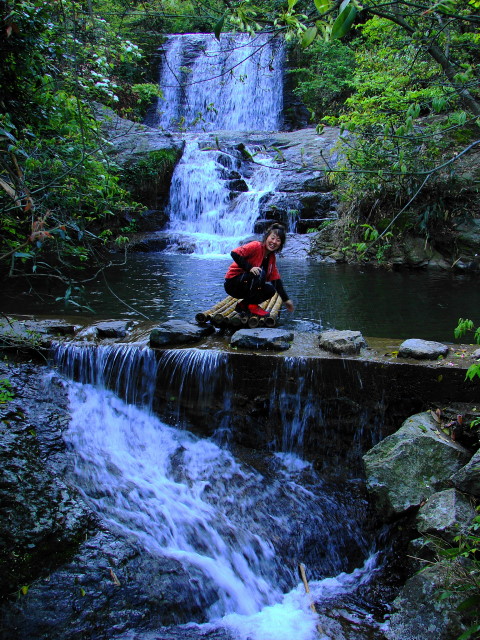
x: 236, y: 529
x: 201, y: 209
x: 234, y: 83
x: 129, y: 370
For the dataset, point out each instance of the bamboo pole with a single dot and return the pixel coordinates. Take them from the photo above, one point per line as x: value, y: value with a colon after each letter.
x: 272, y: 319
x: 303, y: 576
x: 204, y: 316
x: 224, y: 313
x: 271, y: 302
x: 220, y: 315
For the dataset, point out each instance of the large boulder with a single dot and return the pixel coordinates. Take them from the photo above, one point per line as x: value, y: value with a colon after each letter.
x: 468, y: 477
x: 467, y: 238
x: 342, y: 342
x: 175, y: 332
x: 422, y: 349
x: 419, y: 614
x: 445, y: 514
x: 418, y: 253
x: 409, y: 466
x: 268, y: 339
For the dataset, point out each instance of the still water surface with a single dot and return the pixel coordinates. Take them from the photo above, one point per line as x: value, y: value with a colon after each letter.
x: 379, y: 303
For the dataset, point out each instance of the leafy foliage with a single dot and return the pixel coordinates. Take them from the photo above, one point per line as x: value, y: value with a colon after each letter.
x: 465, y: 576
x: 324, y: 77
x: 58, y: 191
x: 463, y: 327
x: 6, y: 393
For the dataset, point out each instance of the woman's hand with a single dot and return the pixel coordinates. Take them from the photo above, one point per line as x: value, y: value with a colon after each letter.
x: 256, y: 271
x: 289, y: 305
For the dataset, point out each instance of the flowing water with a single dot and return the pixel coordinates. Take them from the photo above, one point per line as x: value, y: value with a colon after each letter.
x: 233, y: 83
x: 242, y: 528
x: 202, y: 214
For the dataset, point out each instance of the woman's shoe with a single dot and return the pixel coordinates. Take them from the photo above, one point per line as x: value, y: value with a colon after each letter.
x: 258, y: 311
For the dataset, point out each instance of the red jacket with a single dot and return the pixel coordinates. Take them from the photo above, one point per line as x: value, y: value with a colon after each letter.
x: 254, y: 253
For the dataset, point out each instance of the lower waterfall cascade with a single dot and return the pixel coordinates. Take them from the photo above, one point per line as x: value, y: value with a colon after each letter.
x: 240, y: 529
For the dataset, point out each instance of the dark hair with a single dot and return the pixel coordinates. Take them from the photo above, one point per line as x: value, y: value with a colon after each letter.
x: 279, y: 230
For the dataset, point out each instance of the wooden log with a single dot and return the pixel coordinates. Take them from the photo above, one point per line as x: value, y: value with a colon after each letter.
x: 272, y: 319
x: 204, y: 316
x: 222, y: 313
x: 303, y: 576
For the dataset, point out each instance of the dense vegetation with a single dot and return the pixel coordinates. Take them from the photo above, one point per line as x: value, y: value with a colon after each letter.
x: 401, y: 80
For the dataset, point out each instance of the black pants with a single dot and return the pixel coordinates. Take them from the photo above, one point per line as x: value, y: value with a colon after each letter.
x: 252, y: 289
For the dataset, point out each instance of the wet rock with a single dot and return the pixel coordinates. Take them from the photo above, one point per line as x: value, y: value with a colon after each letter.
x: 32, y: 334
x: 130, y: 142
x: 297, y: 246
x: 420, y: 614
x: 445, y: 515
x: 175, y: 332
x: 409, y: 466
x: 42, y: 519
x: 421, y: 552
x: 238, y: 185
x: 422, y: 349
x: 113, y: 329
x: 468, y: 477
x: 476, y: 354
x: 418, y: 253
x: 342, y: 342
x: 269, y: 339
x: 468, y: 241
x: 109, y: 587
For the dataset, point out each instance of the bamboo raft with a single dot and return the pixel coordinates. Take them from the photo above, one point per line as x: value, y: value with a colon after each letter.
x: 223, y: 314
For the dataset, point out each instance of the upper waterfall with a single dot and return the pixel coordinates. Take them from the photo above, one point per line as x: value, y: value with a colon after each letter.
x: 235, y: 83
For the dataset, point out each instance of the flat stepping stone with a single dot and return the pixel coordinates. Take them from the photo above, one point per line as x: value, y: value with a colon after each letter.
x: 422, y: 349
x: 342, y: 342
x: 113, y: 329
x: 268, y: 339
x: 174, y: 332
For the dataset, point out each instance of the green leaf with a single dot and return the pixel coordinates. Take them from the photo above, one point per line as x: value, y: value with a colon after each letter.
x: 322, y: 5
x: 438, y: 104
x: 469, y: 632
x: 344, y: 20
x: 217, y: 30
x: 469, y: 603
x: 309, y: 36
x: 3, y: 132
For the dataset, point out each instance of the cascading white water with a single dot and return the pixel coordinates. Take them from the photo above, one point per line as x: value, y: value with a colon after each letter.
x: 238, y: 531
x: 201, y: 209
x: 187, y: 499
x: 233, y: 83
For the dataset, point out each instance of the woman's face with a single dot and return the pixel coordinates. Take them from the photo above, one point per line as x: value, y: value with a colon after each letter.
x: 273, y: 242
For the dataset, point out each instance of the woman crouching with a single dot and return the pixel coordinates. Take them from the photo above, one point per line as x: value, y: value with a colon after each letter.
x: 253, y: 276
